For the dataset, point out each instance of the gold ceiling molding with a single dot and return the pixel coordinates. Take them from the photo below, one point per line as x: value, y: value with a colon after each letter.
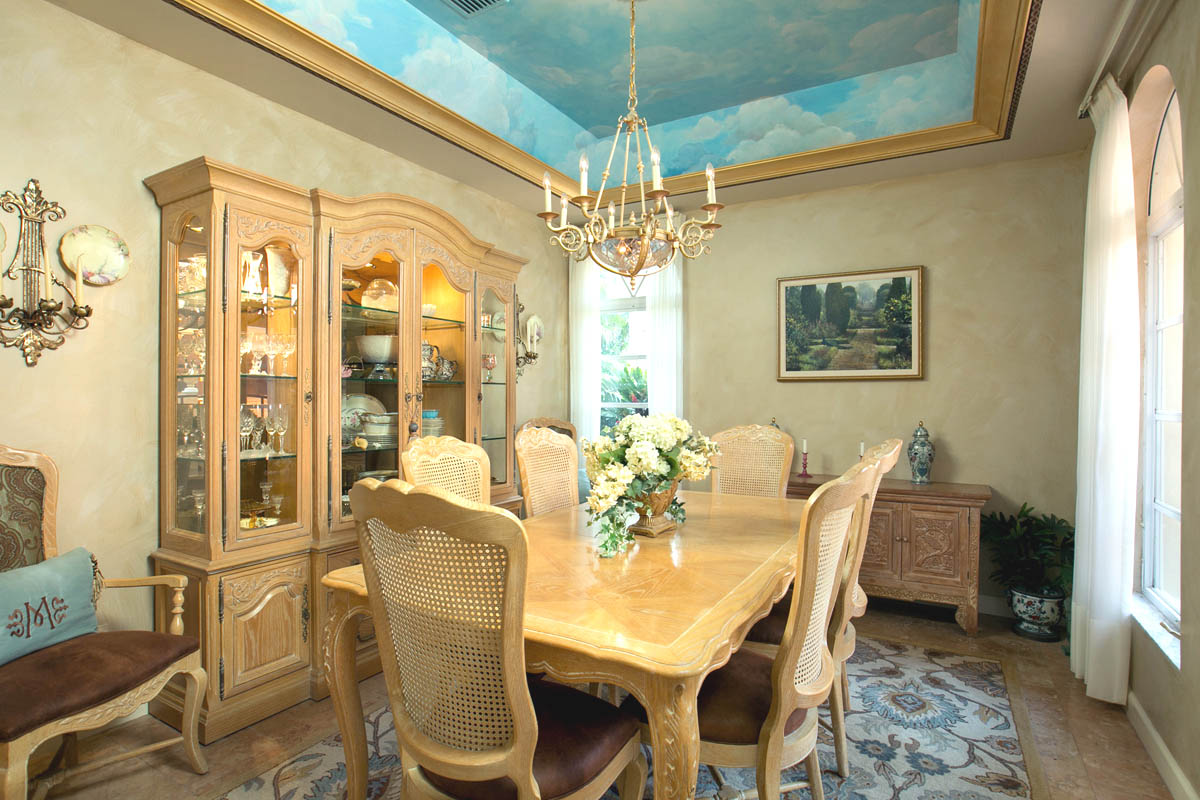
x: 1005, y: 39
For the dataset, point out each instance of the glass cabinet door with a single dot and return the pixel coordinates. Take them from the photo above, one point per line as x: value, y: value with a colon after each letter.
x: 369, y: 412
x: 444, y: 331
x: 494, y: 321
x: 190, y: 359
x: 268, y: 417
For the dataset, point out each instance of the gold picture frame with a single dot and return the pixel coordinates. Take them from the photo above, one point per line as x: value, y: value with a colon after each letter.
x: 863, y: 325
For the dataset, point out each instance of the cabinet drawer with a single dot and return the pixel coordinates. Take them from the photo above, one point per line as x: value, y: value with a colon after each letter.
x: 881, y: 556
x: 935, y: 546
x: 264, y: 621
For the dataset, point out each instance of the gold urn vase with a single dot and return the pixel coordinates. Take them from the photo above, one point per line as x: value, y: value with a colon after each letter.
x: 652, y: 506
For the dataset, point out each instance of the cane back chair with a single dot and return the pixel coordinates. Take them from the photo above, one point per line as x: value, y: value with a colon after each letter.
x: 761, y: 710
x: 446, y: 581
x: 549, y: 464
x: 459, y: 467
x: 559, y: 425
x: 86, y: 682
x: 754, y: 460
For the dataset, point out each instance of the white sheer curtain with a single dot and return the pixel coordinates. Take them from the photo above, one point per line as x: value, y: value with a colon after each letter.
x: 1106, y: 472
x: 586, y: 294
x: 664, y: 362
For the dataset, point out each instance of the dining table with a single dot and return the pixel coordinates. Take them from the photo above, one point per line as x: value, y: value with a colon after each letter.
x: 654, y: 620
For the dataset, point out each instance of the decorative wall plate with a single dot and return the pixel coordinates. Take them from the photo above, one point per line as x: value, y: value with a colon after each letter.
x: 497, y: 329
x: 353, y: 408
x: 100, y: 253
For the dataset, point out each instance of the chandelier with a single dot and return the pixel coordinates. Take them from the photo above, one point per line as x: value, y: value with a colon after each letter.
x: 638, y: 236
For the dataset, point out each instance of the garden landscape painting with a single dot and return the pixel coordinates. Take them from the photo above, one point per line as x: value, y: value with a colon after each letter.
x: 851, y: 325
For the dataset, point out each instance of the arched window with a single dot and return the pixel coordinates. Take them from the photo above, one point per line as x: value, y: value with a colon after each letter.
x: 1163, y: 439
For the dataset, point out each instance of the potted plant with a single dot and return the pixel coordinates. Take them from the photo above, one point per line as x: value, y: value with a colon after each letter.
x: 1034, y: 556
x: 635, y: 469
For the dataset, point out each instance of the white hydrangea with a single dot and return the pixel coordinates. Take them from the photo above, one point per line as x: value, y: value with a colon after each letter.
x: 608, y: 486
x: 644, y: 459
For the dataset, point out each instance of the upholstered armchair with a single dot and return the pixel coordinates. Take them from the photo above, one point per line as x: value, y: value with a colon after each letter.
x: 85, y: 682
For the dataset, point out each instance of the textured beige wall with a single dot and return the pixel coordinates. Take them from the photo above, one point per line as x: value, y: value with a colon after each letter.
x: 1171, y: 696
x: 1002, y: 250
x: 90, y: 114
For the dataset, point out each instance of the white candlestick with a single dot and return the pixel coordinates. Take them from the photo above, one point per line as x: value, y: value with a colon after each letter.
x: 583, y: 168
x: 862, y: 449
x: 711, y: 177
x: 79, y: 284
x: 546, y: 189
x: 563, y: 219
x: 612, y: 215
x: 656, y: 169
x: 670, y: 215
x: 804, y: 446
x: 46, y: 275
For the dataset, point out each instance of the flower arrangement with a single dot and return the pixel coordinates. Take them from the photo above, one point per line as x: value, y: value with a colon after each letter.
x: 637, y: 457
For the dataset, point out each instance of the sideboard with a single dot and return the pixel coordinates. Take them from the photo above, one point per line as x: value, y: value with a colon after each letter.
x: 923, y: 543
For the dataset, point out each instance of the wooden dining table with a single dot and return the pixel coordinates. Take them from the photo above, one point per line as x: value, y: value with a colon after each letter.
x: 653, y: 621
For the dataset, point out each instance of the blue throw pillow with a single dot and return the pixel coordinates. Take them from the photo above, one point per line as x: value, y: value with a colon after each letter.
x: 46, y: 604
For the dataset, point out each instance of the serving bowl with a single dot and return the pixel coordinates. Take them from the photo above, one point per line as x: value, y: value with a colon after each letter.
x: 378, y: 348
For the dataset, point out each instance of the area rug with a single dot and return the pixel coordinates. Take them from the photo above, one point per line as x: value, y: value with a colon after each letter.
x: 923, y: 724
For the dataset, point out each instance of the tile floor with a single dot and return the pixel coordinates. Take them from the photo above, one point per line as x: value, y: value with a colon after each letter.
x: 1087, y: 748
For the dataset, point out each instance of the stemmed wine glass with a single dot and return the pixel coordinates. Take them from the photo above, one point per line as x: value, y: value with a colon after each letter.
x: 187, y: 348
x: 287, y: 346
x: 245, y: 346
x: 198, y: 502
x: 272, y: 348
x: 246, y: 425
x: 279, y: 419
x: 269, y: 426
x: 266, y: 491
x: 199, y: 346
x: 258, y: 348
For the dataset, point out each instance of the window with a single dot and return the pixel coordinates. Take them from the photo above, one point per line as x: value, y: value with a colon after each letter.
x: 1163, y: 436
x: 624, y: 346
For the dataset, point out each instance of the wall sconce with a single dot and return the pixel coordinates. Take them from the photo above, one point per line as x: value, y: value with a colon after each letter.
x: 527, y: 338
x: 39, y: 322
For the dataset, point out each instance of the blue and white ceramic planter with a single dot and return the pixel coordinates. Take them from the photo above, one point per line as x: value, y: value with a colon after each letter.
x: 1038, y: 615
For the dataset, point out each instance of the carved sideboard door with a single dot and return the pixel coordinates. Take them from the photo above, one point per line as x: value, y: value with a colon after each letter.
x: 923, y: 543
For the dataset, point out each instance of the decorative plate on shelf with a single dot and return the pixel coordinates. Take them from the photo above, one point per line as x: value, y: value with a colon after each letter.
x: 100, y: 253
x: 354, y: 406
x: 497, y: 328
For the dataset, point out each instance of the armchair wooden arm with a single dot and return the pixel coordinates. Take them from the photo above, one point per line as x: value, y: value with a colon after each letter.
x: 177, y: 584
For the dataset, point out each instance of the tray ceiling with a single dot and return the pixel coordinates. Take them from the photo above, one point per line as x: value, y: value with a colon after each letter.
x: 760, y: 88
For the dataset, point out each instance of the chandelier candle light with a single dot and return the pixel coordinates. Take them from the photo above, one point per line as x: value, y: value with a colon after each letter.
x: 637, y: 237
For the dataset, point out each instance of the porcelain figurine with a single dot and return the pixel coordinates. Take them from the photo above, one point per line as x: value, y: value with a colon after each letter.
x: 920, y: 454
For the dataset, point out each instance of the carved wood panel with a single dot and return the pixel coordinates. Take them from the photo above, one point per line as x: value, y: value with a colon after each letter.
x: 881, y: 556
x: 936, y: 546
x: 264, y: 619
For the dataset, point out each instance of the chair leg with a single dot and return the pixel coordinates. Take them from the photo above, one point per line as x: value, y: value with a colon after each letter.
x: 633, y: 779
x: 813, y: 765
x: 197, y: 683
x: 71, y: 749
x: 845, y: 688
x: 14, y: 780
x: 837, y: 721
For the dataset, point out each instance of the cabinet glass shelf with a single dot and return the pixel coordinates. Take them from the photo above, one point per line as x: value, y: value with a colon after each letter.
x: 492, y: 329
x: 493, y: 383
x: 256, y: 376
x: 429, y: 323
x: 493, y: 438
x: 352, y: 312
x: 246, y: 457
x: 373, y: 381
x: 443, y: 383
x: 371, y: 448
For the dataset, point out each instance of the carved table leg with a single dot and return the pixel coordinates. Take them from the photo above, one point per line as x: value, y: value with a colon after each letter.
x: 967, y: 617
x: 674, y: 736
x: 340, y: 659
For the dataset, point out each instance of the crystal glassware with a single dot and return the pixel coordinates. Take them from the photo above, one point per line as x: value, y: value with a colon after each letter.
x: 286, y: 348
x: 187, y: 348
x: 277, y: 503
x: 258, y: 349
x: 489, y: 363
x: 246, y: 425
x: 268, y: 423
x: 273, y: 346
x: 198, y: 502
x: 245, y: 346
x: 279, y: 417
x: 266, y: 491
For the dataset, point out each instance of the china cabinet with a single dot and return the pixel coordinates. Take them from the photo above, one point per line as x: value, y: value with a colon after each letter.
x: 306, y: 337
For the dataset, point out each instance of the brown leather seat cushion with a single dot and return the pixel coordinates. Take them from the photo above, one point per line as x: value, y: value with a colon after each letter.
x: 769, y: 629
x: 74, y: 675
x: 734, y: 701
x: 578, y: 736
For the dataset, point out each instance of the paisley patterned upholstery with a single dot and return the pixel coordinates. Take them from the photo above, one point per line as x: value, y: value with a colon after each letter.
x: 22, y: 490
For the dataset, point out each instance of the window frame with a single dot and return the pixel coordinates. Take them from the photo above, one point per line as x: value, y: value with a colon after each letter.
x: 1160, y: 223
x: 610, y: 305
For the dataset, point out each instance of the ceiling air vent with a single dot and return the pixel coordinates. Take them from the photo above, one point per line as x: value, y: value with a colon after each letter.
x: 469, y: 8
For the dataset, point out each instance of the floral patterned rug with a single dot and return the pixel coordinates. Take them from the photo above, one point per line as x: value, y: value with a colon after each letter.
x: 923, y: 724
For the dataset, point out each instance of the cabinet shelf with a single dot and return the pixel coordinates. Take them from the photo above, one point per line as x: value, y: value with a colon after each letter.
x: 265, y: 377
x: 493, y: 383
x: 429, y: 323
x: 444, y: 383
x: 371, y: 448
x: 371, y: 381
x: 493, y: 438
x: 365, y: 314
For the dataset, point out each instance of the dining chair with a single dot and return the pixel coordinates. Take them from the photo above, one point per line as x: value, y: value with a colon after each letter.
x: 753, y: 459
x: 459, y: 467
x: 560, y: 425
x: 446, y: 582
x: 548, y: 463
x: 87, y: 681
x: 850, y: 602
x: 761, y: 710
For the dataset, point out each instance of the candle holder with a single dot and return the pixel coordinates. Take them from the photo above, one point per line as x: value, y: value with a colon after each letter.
x: 804, y: 466
x: 526, y: 357
x: 40, y: 322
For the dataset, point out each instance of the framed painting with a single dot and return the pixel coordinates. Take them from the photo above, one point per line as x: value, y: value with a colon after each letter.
x: 850, y: 325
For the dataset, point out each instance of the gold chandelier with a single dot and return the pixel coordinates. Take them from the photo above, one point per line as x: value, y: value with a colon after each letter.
x: 640, y: 240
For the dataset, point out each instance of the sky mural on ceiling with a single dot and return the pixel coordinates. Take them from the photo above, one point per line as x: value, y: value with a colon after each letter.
x: 723, y: 81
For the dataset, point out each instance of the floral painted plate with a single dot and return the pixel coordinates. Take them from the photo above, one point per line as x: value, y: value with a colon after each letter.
x: 100, y: 253
x: 497, y: 328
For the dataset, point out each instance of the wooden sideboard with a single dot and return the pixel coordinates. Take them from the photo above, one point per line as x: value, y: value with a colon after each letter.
x: 923, y: 543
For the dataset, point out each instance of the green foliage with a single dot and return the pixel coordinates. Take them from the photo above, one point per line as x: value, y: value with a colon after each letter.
x: 1031, y: 553
x: 810, y: 304
x: 837, y: 309
x: 881, y: 295
x: 622, y: 383
x: 614, y: 334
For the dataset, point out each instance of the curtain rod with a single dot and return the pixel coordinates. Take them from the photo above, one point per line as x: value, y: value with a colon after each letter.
x: 1113, y: 37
